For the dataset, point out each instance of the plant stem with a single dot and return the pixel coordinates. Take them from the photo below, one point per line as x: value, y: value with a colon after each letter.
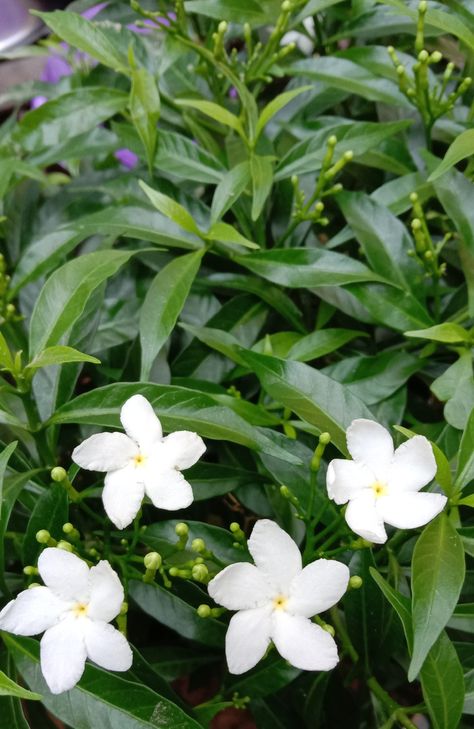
x: 398, y: 712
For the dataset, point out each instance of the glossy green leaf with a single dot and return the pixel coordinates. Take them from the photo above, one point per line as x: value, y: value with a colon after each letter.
x: 226, y: 233
x: 261, y: 170
x: 181, y: 157
x: 321, y: 342
x: 229, y: 189
x: 107, y: 697
x: 462, y: 147
x: 400, y: 603
x: 169, y: 207
x: 87, y: 36
x: 59, y: 355
x: 276, y: 104
x: 10, y: 688
x: 162, y: 306
x: 269, y: 676
x: 465, y: 468
x: 447, y: 333
x: 144, y: 107
x: 318, y: 399
x: 215, y: 111
x: 50, y: 513
x: 442, y: 682
x: 435, y: 592
x: 65, y: 294
x: 6, y: 359
x: 4, y: 458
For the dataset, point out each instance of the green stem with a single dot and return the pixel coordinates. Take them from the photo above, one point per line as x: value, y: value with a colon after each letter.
x: 398, y: 712
x: 343, y: 634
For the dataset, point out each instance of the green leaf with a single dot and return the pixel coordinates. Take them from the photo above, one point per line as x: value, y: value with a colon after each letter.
x: 59, y: 355
x: 392, y: 307
x: 269, y: 676
x: 169, y: 207
x: 226, y: 233
x: 4, y: 458
x: 144, y: 107
x: 181, y: 157
x: 435, y: 591
x: 50, y: 513
x: 65, y: 294
x: 215, y: 111
x: 275, y: 105
x: 234, y: 11
x: 6, y: 359
x: 306, y: 267
x: 462, y: 147
x: 172, y: 611
x: 217, y: 339
x: 465, y: 469
x: 321, y: 342
x: 400, y: 603
x: 315, y: 398
x: 442, y: 682
x: 10, y: 688
x: 67, y: 116
x: 447, y: 332
x: 86, y: 36
x: 261, y: 170
x: 178, y: 408
x: 162, y: 306
x: 229, y: 189
x: 105, y: 699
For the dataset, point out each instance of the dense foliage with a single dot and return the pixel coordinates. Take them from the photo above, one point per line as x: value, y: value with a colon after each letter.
x: 259, y: 216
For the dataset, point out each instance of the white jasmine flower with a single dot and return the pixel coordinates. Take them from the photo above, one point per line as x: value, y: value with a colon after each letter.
x: 140, y: 462
x: 305, y: 44
x: 382, y: 485
x: 275, y: 599
x: 75, y: 609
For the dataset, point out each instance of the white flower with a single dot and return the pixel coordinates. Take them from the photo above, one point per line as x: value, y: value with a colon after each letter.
x: 141, y: 462
x: 75, y: 609
x: 305, y: 44
x: 382, y: 485
x: 275, y: 599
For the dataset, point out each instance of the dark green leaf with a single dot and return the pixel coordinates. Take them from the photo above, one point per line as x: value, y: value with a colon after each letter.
x: 442, y: 682
x: 50, y: 513
x: 145, y: 110
x: 321, y: 342
x: 462, y: 147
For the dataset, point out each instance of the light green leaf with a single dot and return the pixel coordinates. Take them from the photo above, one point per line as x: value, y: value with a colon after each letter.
x: 216, y: 112
x: 275, y: 105
x: 145, y: 110
x: 447, y: 332
x: 465, y: 469
x: 162, y: 306
x: 6, y: 359
x: 65, y: 294
x: 10, y: 688
x: 321, y: 342
x: 261, y: 170
x: 435, y: 591
x: 59, y: 355
x: 169, y: 207
x: 462, y: 147
x: 226, y: 233
x: 229, y: 189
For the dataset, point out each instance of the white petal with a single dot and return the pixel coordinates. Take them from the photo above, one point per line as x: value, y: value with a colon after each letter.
x: 122, y: 495
x: 370, y: 443
x: 183, y: 449
x: 410, y: 510
x: 318, y: 587
x: 304, y: 644
x: 168, y: 490
x: 105, y: 452
x: 247, y: 639
x: 33, y: 611
x: 106, y: 593
x: 345, y: 479
x: 275, y: 554
x: 107, y: 647
x: 140, y: 422
x: 413, y: 465
x: 240, y: 586
x: 65, y: 574
x: 63, y: 655
x: 365, y: 520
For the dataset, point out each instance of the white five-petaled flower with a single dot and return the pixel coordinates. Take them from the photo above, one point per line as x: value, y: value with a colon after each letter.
x: 75, y: 609
x: 140, y: 462
x: 275, y: 599
x: 380, y: 484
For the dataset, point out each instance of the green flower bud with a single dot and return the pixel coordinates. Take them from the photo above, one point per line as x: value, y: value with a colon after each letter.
x: 234, y: 527
x: 416, y: 224
x: 29, y: 570
x: 286, y: 6
x: 413, y: 197
x: 200, y: 572
x: 198, y: 545
x: 43, y: 536
x: 199, y: 560
x: 33, y: 584
x: 124, y: 542
x: 329, y: 629
x: 68, y: 527
x: 58, y: 474
x: 355, y: 582
x: 222, y: 27
x: 152, y: 561
x: 124, y: 608
x: 348, y: 155
x: 62, y: 544
x: 332, y: 141
x: 423, y: 56
x: 182, y: 529
x: 325, y: 438
x: 204, y: 611
x: 436, y: 57
x: 174, y: 572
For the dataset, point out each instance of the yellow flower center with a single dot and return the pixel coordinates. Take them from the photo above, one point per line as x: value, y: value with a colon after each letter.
x: 379, y: 489
x: 80, y: 609
x: 139, y: 460
x: 280, y: 602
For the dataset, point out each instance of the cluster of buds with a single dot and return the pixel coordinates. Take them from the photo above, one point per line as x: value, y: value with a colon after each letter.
x: 431, y: 100
x: 426, y: 252
x: 8, y: 311
x: 261, y: 57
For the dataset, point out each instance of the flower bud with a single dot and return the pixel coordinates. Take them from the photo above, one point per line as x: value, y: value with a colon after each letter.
x: 329, y: 629
x: 33, y: 584
x: 204, y: 611
x: 198, y: 545
x: 200, y: 572
x: 423, y: 56
x: 423, y: 6
x: 29, y: 570
x: 124, y: 608
x: 332, y: 141
x: 152, y: 561
x: 222, y: 27
x: 181, y: 529
x: 286, y: 6
x: 325, y: 438
x: 62, y: 544
x: 58, y: 474
x: 44, y: 537
x: 436, y: 57
x: 355, y: 582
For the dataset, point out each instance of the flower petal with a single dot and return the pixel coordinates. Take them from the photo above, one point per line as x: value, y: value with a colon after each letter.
x: 370, y: 443
x: 63, y: 655
x: 410, y: 510
x: 33, y: 611
x: 304, y: 644
x: 275, y: 554
x: 240, y: 586
x: 345, y: 479
x: 66, y: 575
x: 413, y: 465
x: 318, y: 587
x: 168, y: 490
x: 183, y: 449
x: 247, y: 639
x: 365, y: 520
x: 106, y: 646
x: 106, y: 592
x: 140, y: 422
x: 105, y: 452
x: 122, y: 496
